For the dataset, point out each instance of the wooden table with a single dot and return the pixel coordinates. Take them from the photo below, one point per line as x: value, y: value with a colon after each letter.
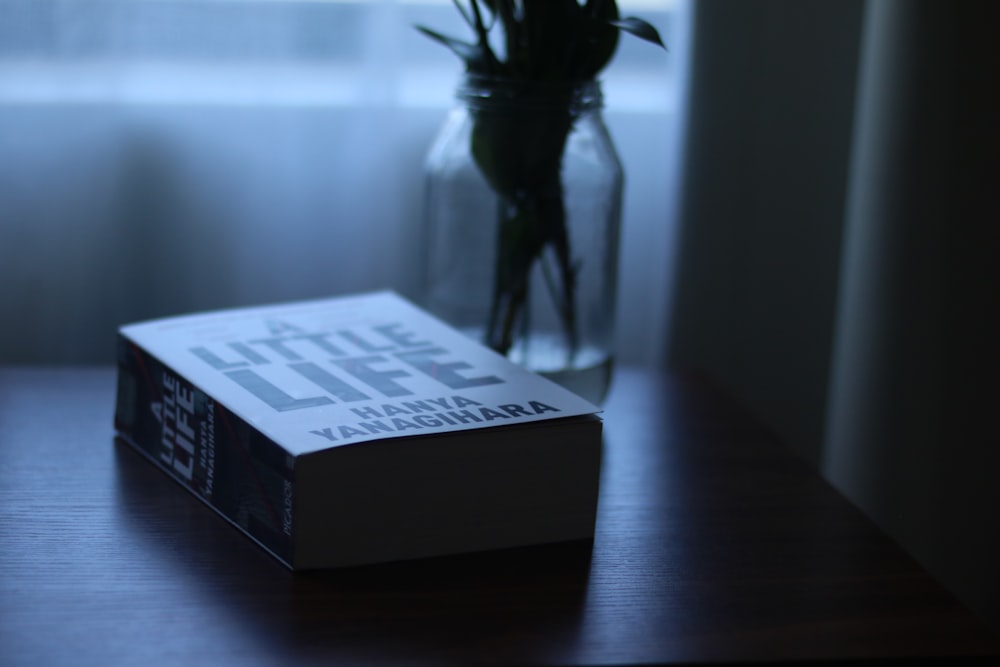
x: 713, y: 544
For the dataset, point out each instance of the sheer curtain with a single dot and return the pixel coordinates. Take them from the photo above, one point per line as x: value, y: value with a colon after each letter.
x: 160, y: 156
x: 910, y: 428
x: 837, y: 248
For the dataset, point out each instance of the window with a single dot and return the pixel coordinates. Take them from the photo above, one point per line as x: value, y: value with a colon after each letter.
x: 262, y: 52
x: 158, y: 156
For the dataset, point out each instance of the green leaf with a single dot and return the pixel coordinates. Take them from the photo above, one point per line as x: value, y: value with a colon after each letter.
x: 640, y: 29
x: 598, y: 39
x: 473, y: 54
x: 550, y: 31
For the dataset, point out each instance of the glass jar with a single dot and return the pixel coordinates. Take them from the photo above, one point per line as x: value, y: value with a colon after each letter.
x: 522, y: 217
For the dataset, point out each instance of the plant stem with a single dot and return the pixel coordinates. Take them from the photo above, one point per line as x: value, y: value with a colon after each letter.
x: 525, y: 231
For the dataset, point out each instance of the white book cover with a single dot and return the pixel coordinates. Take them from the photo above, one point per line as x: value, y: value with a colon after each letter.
x: 317, y: 374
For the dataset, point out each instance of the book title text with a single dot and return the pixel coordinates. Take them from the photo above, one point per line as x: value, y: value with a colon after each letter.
x: 347, y: 365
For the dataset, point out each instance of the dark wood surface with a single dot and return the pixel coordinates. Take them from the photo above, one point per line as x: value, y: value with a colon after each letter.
x: 713, y: 544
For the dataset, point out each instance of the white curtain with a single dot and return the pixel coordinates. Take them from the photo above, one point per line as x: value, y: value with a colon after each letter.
x: 837, y: 268
x: 163, y: 156
x: 910, y: 430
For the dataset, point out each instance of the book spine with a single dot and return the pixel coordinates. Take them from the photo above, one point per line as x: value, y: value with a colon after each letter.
x: 210, y: 451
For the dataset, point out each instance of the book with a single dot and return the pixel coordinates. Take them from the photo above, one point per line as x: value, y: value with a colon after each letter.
x: 358, y: 430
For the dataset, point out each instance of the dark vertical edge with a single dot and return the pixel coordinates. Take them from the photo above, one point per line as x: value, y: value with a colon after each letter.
x: 226, y: 463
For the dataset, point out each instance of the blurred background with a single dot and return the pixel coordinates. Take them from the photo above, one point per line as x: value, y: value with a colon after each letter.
x: 164, y: 156
x: 809, y: 209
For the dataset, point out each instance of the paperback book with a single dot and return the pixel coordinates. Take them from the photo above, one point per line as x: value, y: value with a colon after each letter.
x: 358, y: 430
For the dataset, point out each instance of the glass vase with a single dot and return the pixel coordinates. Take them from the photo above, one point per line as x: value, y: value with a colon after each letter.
x: 522, y: 217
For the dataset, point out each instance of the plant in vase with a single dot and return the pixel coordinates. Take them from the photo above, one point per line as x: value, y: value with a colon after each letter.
x: 542, y: 58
